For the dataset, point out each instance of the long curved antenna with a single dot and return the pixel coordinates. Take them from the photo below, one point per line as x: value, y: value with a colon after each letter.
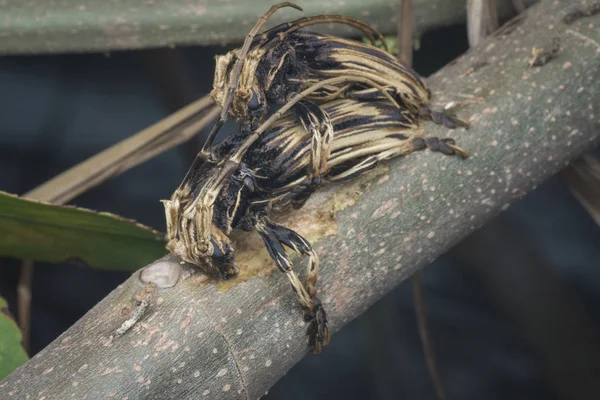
x: 288, y: 27
x: 236, y: 73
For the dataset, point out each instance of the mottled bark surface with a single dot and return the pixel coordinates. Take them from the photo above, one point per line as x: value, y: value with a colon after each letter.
x: 234, y: 340
x: 42, y: 26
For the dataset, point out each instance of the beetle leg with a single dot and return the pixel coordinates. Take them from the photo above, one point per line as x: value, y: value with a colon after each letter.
x: 316, y: 121
x: 275, y: 237
x: 255, y: 213
x: 302, y: 192
x: 444, y: 118
x: 393, y: 149
x: 300, y: 245
x: 173, y: 209
x: 445, y: 146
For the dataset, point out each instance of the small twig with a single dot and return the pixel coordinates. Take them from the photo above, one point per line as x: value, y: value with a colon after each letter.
x: 405, y: 32
x: 475, y: 21
x: 428, y: 348
x: 482, y: 19
x: 492, y: 16
x: 24, y: 300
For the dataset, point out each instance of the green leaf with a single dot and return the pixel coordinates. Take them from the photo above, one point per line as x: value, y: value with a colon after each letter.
x: 12, y: 354
x: 44, y: 232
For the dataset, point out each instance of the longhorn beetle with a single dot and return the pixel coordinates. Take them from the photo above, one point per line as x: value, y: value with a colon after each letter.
x: 268, y: 169
x: 311, y: 116
x: 278, y: 64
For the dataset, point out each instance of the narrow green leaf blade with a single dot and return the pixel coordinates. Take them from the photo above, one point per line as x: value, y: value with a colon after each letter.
x: 44, y: 232
x: 12, y: 354
x: 42, y: 26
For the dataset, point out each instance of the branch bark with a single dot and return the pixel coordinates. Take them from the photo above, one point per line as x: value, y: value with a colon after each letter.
x: 230, y: 340
x: 40, y: 26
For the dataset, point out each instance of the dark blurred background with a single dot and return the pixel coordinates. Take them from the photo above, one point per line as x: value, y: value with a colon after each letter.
x: 513, y: 310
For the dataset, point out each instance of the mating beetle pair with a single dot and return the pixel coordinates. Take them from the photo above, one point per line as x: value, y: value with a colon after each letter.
x: 345, y: 106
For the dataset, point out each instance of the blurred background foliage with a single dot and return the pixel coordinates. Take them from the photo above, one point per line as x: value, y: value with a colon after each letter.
x: 513, y: 310
x: 12, y: 353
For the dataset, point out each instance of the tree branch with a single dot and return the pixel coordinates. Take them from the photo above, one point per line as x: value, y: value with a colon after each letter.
x: 232, y: 340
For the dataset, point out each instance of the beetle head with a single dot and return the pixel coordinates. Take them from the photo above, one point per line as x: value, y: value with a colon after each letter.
x: 215, y: 260
x: 249, y: 103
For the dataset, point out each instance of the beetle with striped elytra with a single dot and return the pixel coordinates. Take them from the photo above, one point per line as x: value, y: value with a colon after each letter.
x: 268, y: 176
x: 331, y: 126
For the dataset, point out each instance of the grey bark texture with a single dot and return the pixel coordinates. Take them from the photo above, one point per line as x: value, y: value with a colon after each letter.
x: 233, y: 340
x: 42, y: 26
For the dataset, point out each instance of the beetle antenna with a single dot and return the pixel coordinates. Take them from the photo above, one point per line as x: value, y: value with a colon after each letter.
x: 286, y: 28
x: 237, y: 70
